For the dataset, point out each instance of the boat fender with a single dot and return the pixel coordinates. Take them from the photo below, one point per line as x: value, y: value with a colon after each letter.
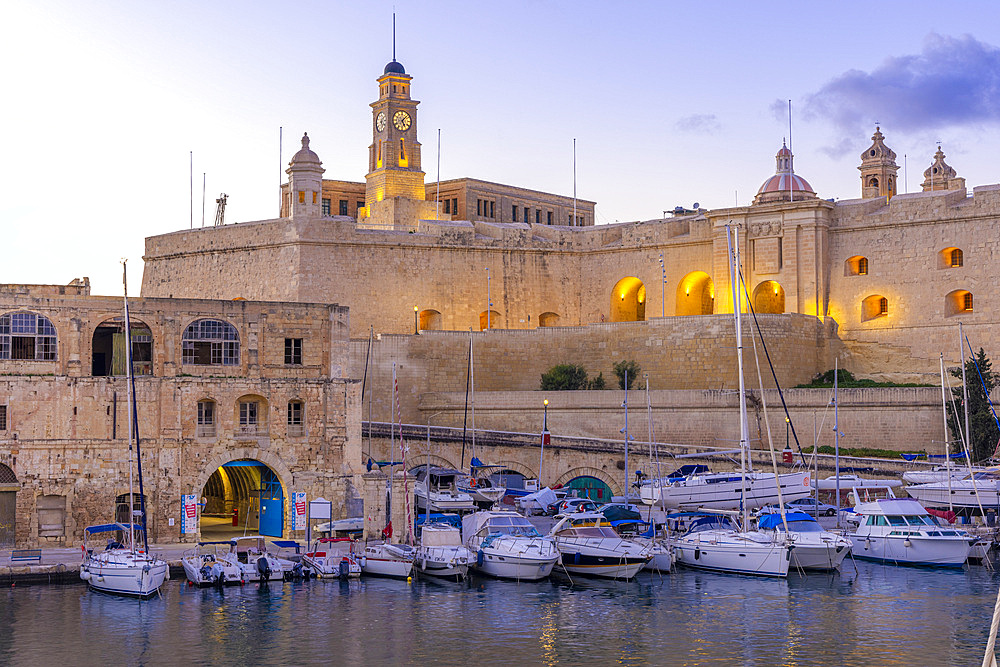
x: 697, y: 554
x: 85, y: 574
x: 907, y: 543
x: 167, y: 576
x: 868, y: 544
x: 363, y: 562
x: 480, y: 558
x: 576, y: 558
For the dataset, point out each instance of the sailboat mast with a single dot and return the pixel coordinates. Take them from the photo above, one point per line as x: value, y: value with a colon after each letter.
x: 734, y: 254
x: 836, y: 434
x: 131, y: 416
x: 965, y: 393
x: 947, y: 453
x: 472, y: 394
x: 625, y: 431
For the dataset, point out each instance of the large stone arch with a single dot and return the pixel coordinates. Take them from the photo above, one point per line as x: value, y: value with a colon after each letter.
x: 769, y: 297
x: 695, y: 294
x: 628, y: 300
x: 591, y: 472
x: 285, y: 475
x: 420, y: 460
x: 518, y: 468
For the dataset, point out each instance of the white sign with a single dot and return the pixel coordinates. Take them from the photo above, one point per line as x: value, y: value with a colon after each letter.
x: 189, y: 514
x: 319, y: 509
x: 298, y: 510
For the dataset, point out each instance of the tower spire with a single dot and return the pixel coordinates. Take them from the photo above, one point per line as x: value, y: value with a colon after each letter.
x: 394, y: 36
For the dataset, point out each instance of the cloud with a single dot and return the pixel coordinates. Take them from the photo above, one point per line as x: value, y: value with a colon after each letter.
x: 952, y: 81
x: 698, y: 123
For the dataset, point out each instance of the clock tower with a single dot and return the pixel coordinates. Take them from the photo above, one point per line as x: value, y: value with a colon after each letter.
x: 394, y: 176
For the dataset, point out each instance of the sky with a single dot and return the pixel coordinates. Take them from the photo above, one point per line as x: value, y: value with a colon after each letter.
x: 109, y: 107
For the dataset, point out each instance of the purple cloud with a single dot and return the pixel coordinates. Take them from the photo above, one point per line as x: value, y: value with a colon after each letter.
x: 953, y: 81
x: 698, y: 123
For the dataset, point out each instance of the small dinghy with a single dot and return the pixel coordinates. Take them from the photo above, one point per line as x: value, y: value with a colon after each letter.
x: 332, y: 557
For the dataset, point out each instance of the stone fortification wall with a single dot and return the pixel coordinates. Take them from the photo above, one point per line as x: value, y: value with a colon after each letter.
x: 677, y: 353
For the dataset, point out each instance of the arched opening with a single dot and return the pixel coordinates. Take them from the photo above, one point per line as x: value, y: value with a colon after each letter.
x: 951, y: 258
x: 210, y: 343
x: 251, y: 416
x: 430, y: 320
x: 628, y: 300
x: 123, y: 507
x: 856, y: 266
x: 489, y: 320
x: 108, y: 349
x: 874, y: 306
x: 695, y: 294
x: 242, y: 497
x: 27, y: 337
x: 769, y: 297
x: 8, y: 506
x: 586, y: 486
x: 548, y: 320
x: 958, y: 302
x: 873, y: 182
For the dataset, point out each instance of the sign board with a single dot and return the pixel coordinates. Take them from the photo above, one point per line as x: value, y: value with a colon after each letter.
x: 298, y: 510
x: 320, y: 509
x: 189, y: 514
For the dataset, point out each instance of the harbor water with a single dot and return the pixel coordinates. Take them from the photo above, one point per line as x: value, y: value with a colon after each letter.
x: 869, y: 614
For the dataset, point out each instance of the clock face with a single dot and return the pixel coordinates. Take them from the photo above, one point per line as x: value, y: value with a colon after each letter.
x: 401, y: 120
x: 380, y: 121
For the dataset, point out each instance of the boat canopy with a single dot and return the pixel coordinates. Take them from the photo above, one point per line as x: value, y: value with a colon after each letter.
x: 440, y: 535
x: 450, y: 519
x: 502, y: 523
x: 108, y: 527
x: 774, y: 520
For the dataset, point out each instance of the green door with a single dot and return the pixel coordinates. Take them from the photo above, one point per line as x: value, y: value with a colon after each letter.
x: 589, y: 487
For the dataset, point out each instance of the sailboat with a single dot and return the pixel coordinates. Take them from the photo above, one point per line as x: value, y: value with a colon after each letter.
x: 713, y: 541
x: 123, y: 568
x: 479, y: 485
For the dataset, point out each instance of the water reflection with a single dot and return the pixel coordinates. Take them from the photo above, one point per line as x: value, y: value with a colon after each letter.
x: 873, y: 614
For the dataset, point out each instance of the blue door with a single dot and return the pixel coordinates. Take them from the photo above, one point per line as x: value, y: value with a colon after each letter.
x: 272, y: 503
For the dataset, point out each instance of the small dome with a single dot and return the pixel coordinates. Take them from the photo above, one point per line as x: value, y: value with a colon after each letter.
x: 394, y: 68
x: 785, y: 185
x: 305, y: 154
x: 781, y: 183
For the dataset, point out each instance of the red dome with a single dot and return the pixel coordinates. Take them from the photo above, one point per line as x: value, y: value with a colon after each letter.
x: 782, y: 182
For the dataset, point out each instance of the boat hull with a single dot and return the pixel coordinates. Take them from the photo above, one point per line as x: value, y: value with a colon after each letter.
x: 193, y: 569
x: 328, y: 566
x: 961, y: 494
x: 130, y: 581
x: 818, y: 557
x: 718, y: 491
x: 930, y: 552
x: 503, y: 565
x: 734, y: 557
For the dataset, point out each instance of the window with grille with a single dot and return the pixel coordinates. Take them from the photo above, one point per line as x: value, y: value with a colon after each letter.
x: 293, y: 351
x: 210, y: 343
x: 863, y: 266
x: 326, y: 206
x: 27, y: 337
x: 296, y: 418
x: 249, y: 417
x: 3, y: 417
x: 206, y: 419
x: 883, y: 306
x: 956, y: 258
x: 967, y: 301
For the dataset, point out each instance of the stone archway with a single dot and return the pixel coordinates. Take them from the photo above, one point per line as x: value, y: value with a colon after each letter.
x: 518, y: 468
x: 628, y: 300
x: 591, y: 472
x: 769, y: 297
x: 420, y: 460
x: 695, y: 295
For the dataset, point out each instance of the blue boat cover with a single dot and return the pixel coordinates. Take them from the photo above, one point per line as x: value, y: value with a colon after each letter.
x: 774, y: 520
x: 451, y: 519
x: 911, y: 457
x: 286, y: 544
x: 108, y: 527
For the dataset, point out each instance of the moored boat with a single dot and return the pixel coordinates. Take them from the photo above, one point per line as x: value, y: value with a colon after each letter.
x: 438, y: 487
x: 441, y: 552
x: 508, y: 546
x: 332, y: 557
x: 387, y: 560
x: 251, y: 556
x: 589, y: 545
x: 205, y: 566
x: 813, y: 548
x: 121, y: 568
x: 714, y: 542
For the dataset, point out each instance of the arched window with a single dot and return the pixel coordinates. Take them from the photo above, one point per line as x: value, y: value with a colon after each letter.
x: 958, y: 302
x: 873, y: 182
x: 874, y: 306
x: 296, y: 418
x: 967, y: 302
x: 108, y: 349
x: 951, y: 257
x: 956, y: 258
x: 27, y: 337
x: 628, y: 300
x: 210, y: 343
x: 883, y: 306
x: 206, y: 419
x: 695, y: 295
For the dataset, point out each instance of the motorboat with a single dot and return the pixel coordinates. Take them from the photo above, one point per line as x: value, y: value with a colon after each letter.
x: 722, y: 490
x: 250, y: 554
x: 848, y: 482
x: 508, y: 546
x: 981, y: 488
x: 485, y: 492
x: 939, y: 474
x: 662, y: 555
x: 332, y: 557
x: 441, y: 552
x: 342, y: 526
x: 387, y: 560
x: 714, y: 542
x: 901, y: 531
x: 589, y: 545
x: 439, y: 487
x: 813, y: 547
x: 121, y: 568
x: 204, y: 566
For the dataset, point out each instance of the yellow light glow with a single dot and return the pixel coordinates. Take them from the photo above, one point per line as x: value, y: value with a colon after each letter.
x: 414, y: 309
x: 623, y: 296
x: 687, y: 292
x: 545, y: 402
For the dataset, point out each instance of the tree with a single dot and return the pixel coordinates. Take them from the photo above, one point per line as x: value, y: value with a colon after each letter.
x: 984, y: 432
x: 597, y: 382
x: 564, y: 376
x: 625, y: 369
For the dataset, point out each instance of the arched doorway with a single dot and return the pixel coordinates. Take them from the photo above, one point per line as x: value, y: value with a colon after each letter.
x: 108, y: 349
x: 243, y: 497
x: 549, y: 319
x: 8, y: 506
x: 695, y: 294
x: 586, y: 486
x: 430, y: 320
x: 489, y: 320
x: 628, y: 300
x: 769, y: 297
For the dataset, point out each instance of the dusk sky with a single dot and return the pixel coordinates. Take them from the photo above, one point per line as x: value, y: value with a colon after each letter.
x: 671, y: 103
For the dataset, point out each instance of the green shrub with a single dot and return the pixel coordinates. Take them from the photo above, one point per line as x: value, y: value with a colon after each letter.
x: 564, y: 376
x: 628, y: 369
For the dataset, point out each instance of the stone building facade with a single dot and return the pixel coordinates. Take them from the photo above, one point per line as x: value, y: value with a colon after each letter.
x: 220, y: 381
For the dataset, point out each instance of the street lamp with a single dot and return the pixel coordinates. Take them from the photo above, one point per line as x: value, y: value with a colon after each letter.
x: 489, y: 301
x: 415, y: 330
x: 663, y: 299
x: 545, y: 437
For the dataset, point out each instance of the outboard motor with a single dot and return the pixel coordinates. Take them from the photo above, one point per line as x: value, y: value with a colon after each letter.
x: 345, y: 569
x: 218, y: 574
x: 264, y: 568
x: 205, y: 572
x: 296, y: 572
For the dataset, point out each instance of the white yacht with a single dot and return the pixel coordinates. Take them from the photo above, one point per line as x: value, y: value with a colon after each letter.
x: 589, y: 545
x: 387, y: 560
x: 441, y: 552
x: 979, y: 488
x: 507, y: 546
x: 714, y: 542
x: 721, y: 490
x: 250, y: 555
x: 939, y: 474
x: 485, y: 492
x: 813, y: 548
x: 332, y: 557
x: 204, y: 566
x: 121, y: 568
x: 439, y: 487
x: 900, y: 531
x: 848, y: 482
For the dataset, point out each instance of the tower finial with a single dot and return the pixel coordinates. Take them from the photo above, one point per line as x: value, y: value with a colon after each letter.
x: 393, y: 36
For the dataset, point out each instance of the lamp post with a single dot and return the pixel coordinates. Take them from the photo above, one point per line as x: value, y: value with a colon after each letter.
x: 663, y: 287
x: 416, y: 331
x: 545, y: 438
x: 489, y: 301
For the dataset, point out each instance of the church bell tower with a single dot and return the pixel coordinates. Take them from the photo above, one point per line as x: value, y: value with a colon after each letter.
x: 878, y: 169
